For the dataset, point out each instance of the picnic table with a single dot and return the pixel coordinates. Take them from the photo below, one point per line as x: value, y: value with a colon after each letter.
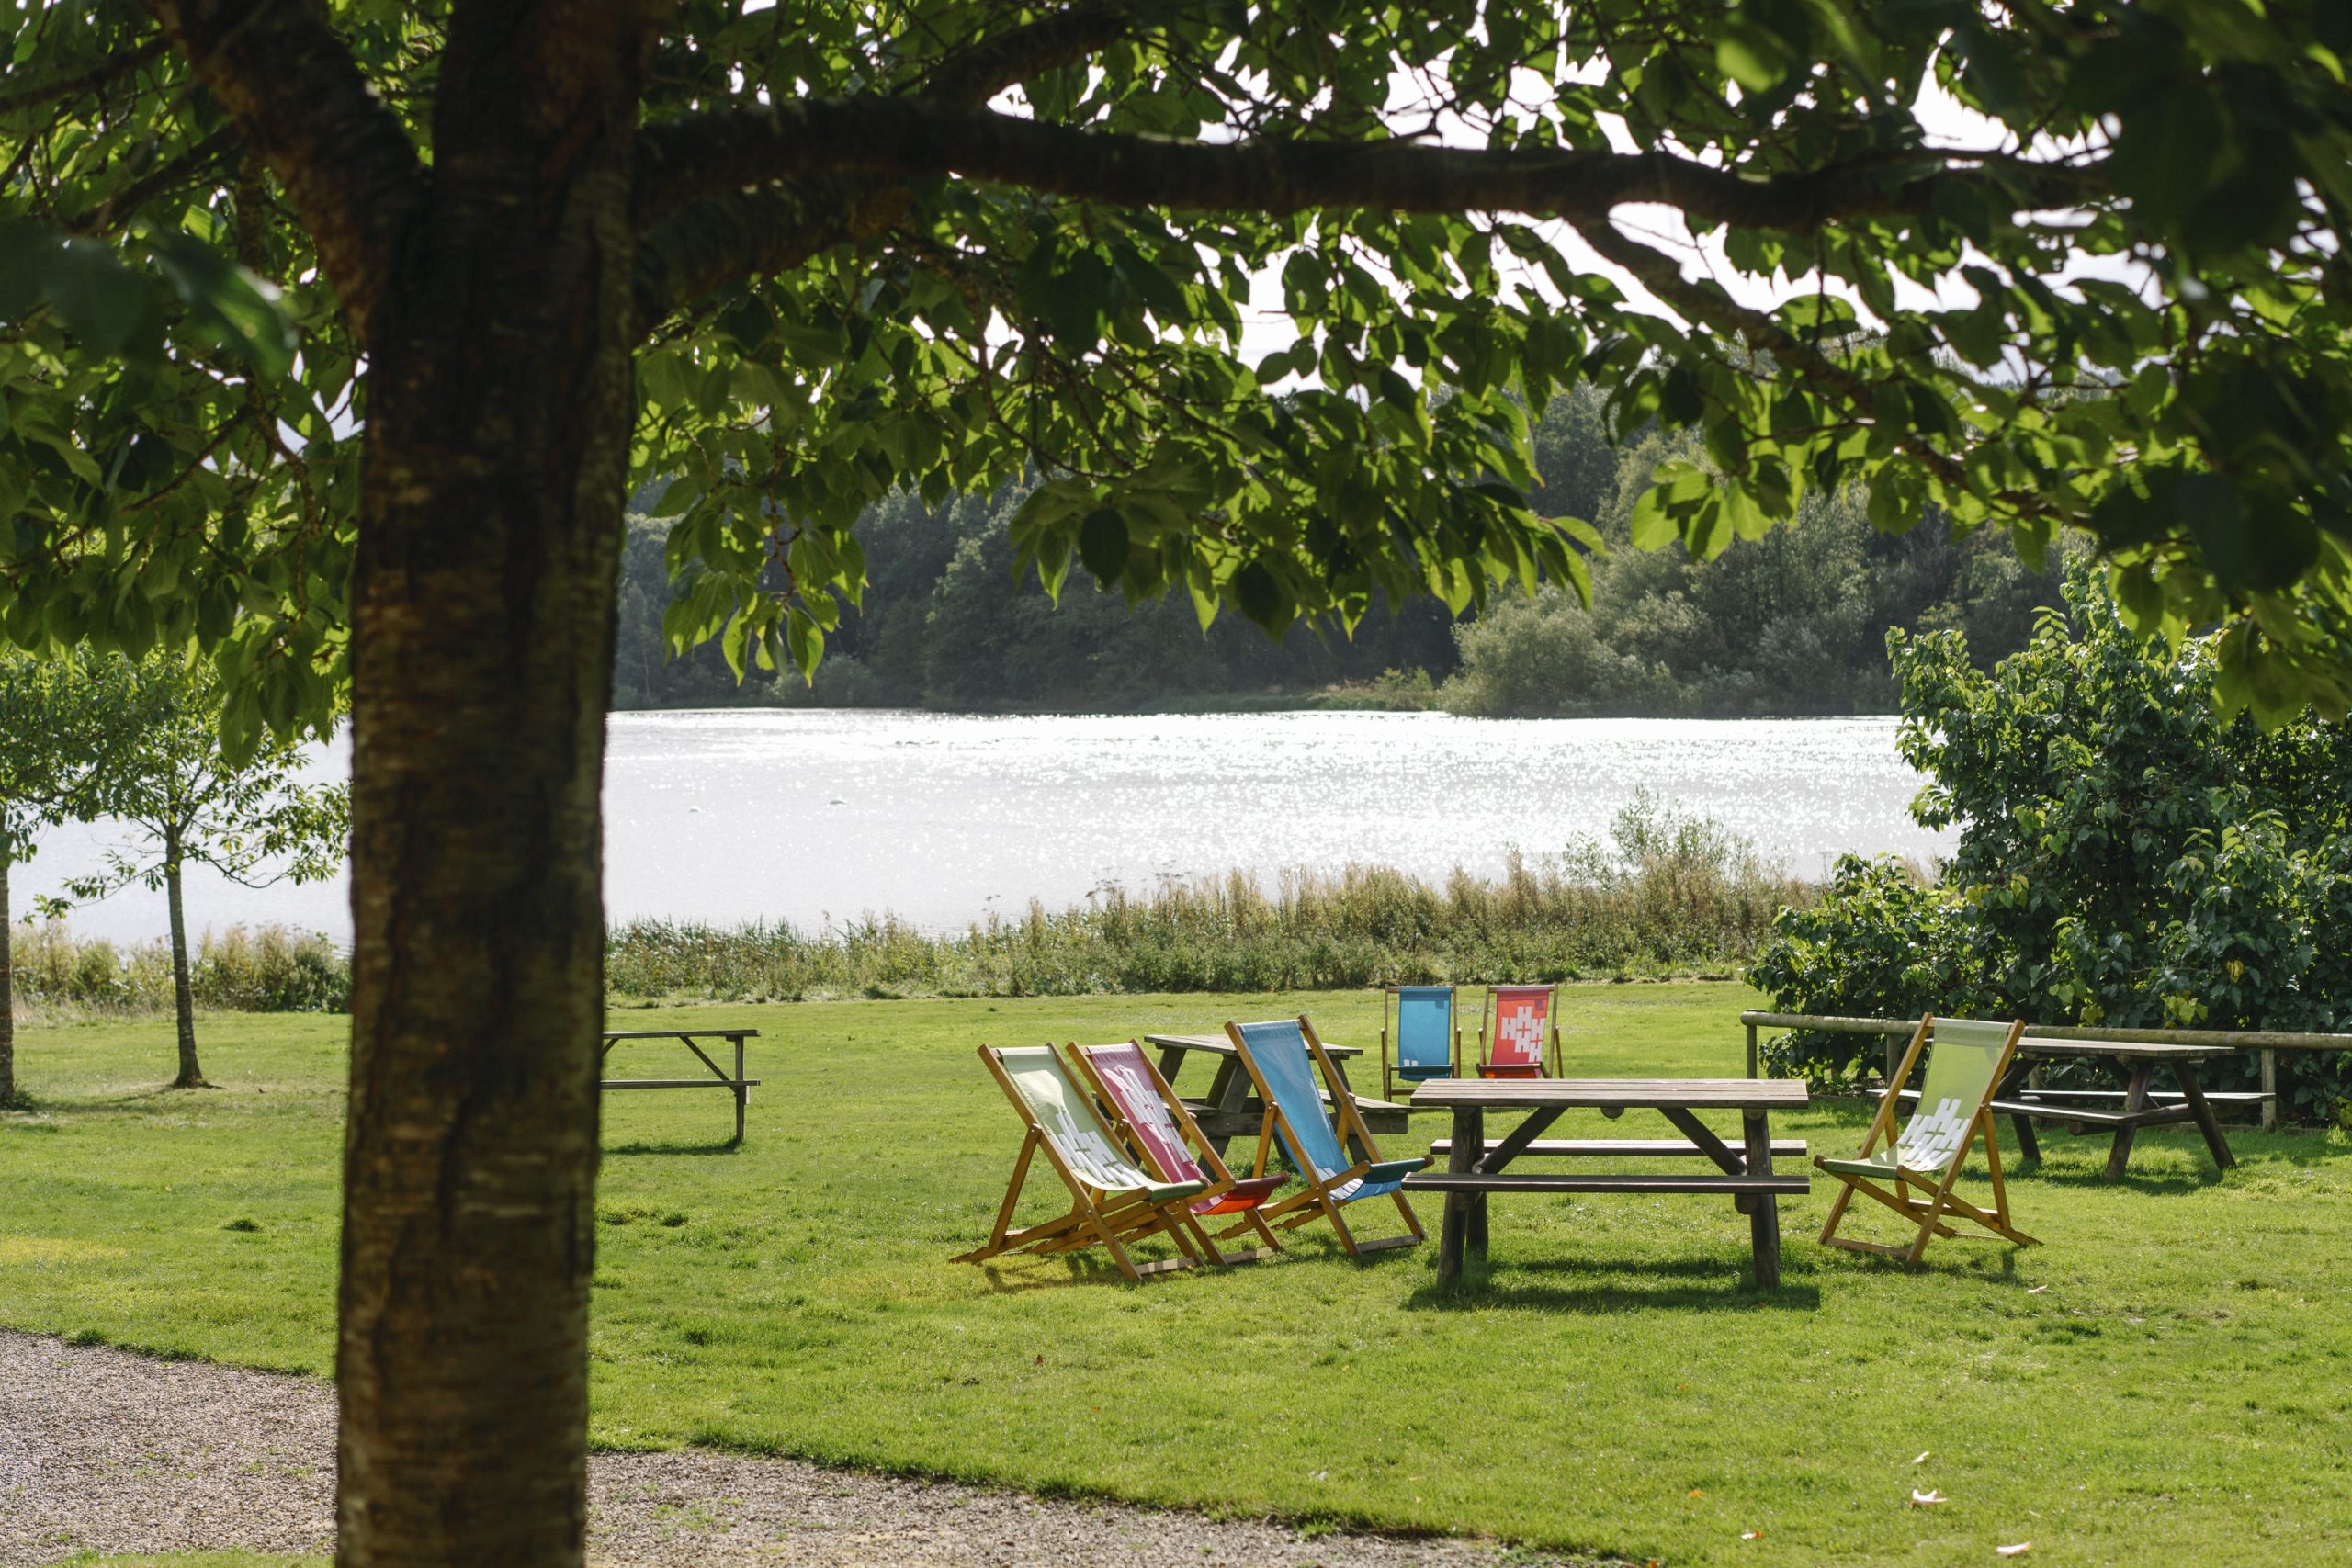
x: 2023, y: 1101
x: 1476, y: 1168
x: 720, y: 1079
x: 1232, y: 1109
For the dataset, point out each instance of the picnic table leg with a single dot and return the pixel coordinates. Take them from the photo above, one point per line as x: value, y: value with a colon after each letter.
x: 1764, y: 1218
x: 1228, y: 1096
x: 2199, y: 1107
x: 741, y: 1093
x: 1469, y: 1144
x: 2136, y: 1099
x: 2020, y: 1076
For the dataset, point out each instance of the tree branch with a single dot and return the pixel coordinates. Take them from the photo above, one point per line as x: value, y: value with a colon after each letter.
x: 680, y: 161
x: 73, y: 83
x: 341, y: 157
x: 922, y: 138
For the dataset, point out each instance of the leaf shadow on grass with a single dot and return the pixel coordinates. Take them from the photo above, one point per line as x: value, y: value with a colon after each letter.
x: 1507, y: 1285
x: 642, y: 1147
x: 2035, y: 1171
x: 1079, y: 1270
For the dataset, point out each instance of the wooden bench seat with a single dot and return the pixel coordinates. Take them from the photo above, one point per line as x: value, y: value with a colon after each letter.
x: 1513, y: 1181
x: 1626, y: 1149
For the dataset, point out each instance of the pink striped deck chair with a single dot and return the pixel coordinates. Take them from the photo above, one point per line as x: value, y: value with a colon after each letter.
x: 1144, y: 1111
x: 1518, y: 1025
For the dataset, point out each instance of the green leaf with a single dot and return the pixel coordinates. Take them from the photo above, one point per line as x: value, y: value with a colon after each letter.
x: 1103, y: 545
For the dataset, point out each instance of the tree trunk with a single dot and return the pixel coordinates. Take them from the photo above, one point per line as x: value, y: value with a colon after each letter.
x: 183, y: 998
x: 7, y: 993
x: 499, y: 407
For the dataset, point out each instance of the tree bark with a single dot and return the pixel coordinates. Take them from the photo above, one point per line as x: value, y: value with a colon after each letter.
x: 499, y: 402
x: 183, y: 998
x: 7, y: 993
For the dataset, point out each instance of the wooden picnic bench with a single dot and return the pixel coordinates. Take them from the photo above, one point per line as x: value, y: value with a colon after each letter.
x: 1231, y: 1108
x: 2024, y: 1101
x: 1476, y: 1168
x: 737, y: 1083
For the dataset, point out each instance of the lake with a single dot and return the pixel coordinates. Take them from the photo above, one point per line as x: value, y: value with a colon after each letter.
x: 810, y: 815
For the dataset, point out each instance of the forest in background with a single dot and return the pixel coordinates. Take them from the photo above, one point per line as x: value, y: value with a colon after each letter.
x: 1794, y: 622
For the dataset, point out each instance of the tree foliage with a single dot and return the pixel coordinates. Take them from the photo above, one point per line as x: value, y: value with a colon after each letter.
x: 931, y: 246
x: 254, y: 819
x: 2127, y: 857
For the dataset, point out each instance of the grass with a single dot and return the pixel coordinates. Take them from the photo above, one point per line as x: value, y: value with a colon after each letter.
x: 2170, y: 1377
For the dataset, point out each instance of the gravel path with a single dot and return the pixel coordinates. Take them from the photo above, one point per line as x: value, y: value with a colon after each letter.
x: 105, y: 1451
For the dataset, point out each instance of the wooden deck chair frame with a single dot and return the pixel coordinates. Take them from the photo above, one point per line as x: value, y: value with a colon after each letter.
x: 1114, y: 1220
x: 1315, y: 1202
x: 1221, y: 1181
x: 1392, y: 1026
x: 1929, y: 1212
x: 1550, y: 1066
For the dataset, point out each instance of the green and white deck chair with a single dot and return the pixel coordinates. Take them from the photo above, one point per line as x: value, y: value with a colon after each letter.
x: 1114, y: 1201
x: 1283, y: 1058
x: 1955, y: 1105
x: 1428, y: 1041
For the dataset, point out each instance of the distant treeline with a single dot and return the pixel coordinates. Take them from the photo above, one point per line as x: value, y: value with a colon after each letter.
x: 1794, y: 622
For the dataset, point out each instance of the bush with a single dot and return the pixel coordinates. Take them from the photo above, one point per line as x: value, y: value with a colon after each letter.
x: 2127, y: 857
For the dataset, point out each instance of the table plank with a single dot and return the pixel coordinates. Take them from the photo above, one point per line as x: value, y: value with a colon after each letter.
x: 1220, y: 1045
x: 1603, y: 1094
x: 2123, y: 1050
x: 611, y: 1034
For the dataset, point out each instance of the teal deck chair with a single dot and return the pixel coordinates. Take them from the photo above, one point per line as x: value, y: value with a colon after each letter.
x: 1955, y: 1105
x: 1283, y: 1058
x: 1428, y: 1041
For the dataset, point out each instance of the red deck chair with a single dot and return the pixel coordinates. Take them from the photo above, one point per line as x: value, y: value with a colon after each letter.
x: 1146, y: 1111
x: 1517, y: 1025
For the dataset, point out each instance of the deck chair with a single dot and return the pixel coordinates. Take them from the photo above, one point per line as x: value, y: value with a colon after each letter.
x: 1515, y: 1026
x: 1159, y: 1127
x: 1114, y: 1201
x: 1428, y: 1042
x: 1282, y: 1059
x: 1955, y: 1105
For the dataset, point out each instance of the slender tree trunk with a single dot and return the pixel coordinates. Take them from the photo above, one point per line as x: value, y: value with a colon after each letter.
x: 183, y: 997
x: 7, y: 992
x: 499, y: 404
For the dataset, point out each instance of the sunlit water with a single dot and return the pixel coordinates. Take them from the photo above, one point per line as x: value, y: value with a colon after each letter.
x: 810, y: 816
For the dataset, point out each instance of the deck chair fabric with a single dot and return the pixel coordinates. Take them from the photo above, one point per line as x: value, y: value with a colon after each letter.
x: 1521, y: 1026
x: 1144, y: 1106
x: 1966, y: 1060
x: 1283, y: 1058
x: 1113, y: 1200
x: 1427, y: 1040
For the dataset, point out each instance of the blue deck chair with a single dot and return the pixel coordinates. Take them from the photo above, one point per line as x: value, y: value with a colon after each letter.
x: 1428, y: 1042
x: 1282, y: 1059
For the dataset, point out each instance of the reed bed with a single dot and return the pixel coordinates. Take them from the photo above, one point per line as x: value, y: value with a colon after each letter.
x: 1665, y: 895
x: 271, y: 969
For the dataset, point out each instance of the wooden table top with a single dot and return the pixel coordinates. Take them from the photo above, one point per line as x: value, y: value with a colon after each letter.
x: 681, y: 1034
x: 1605, y: 1094
x: 2143, y: 1051
x: 1219, y: 1045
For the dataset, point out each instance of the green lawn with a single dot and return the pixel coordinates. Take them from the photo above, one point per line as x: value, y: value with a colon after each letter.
x: 2170, y: 1376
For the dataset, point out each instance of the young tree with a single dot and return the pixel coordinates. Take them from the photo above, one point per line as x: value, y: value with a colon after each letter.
x: 254, y: 819
x: 59, y: 730
x: 800, y: 257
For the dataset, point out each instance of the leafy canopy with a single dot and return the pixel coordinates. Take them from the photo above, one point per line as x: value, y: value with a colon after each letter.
x: 2127, y: 857
x: 2055, y: 264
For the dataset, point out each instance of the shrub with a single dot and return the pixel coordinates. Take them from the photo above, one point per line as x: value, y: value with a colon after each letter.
x: 2127, y: 857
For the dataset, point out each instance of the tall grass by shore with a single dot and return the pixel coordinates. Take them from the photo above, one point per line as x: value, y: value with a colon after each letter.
x: 1664, y: 894
x: 272, y: 969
